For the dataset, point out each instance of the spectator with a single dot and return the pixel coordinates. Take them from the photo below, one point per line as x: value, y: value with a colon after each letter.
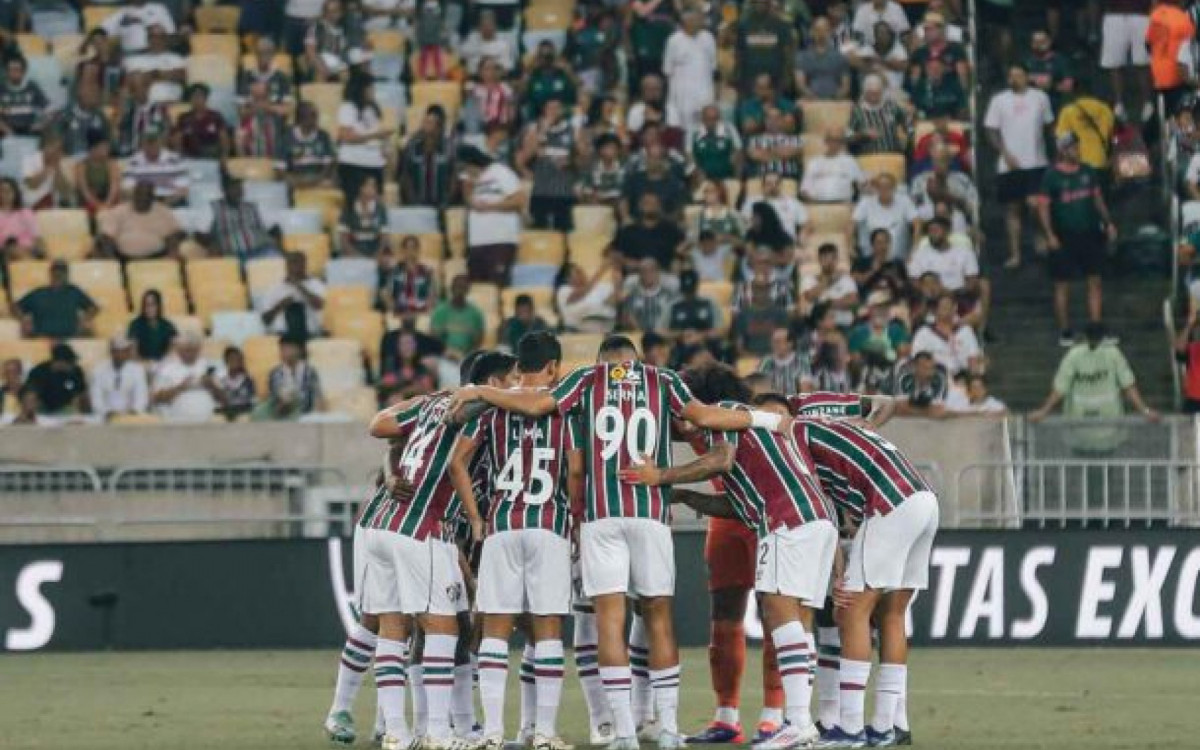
x: 656, y: 349
x: 831, y: 371
x: 293, y: 385
x: 263, y: 70
x: 405, y: 367
x: 235, y: 390
x: 791, y: 213
x: 938, y: 92
x: 138, y: 115
x: 944, y: 183
x: 308, y: 151
x: 652, y: 236
x: 759, y: 310
x: 237, y: 229
x: 647, y: 297
x: 138, y: 229
x: 524, y: 320
x: 547, y: 78
x: 167, y: 70
x: 119, y: 385
x: 877, y: 125
x: 152, y: 333
x: 587, y: 302
x: 1091, y: 379
x: 1076, y: 222
x: 426, y: 169
x: 490, y: 100
x: 952, y: 344
x: 604, y: 180
x: 486, y: 43
x: 131, y: 25
x: 158, y: 167
x: 715, y: 147
x: 884, y: 56
x: 954, y: 263
x: 325, y: 46
x: 262, y: 132
x: 59, y: 383
x: 82, y: 117
x: 12, y: 382
x: 658, y: 178
x: 690, y: 63
x: 776, y: 149
x: 831, y: 286
x: 457, y: 321
x: 429, y: 37
x: 60, y: 310
x: 713, y: 254
x: 361, y: 231
x: 22, y: 102
x: 937, y: 47
x: 201, y: 132
x: 752, y: 110
x: 975, y: 400
x: 766, y: 46
x: 293, y: 306
x: 1123, y: 47
x: 945, y: 134
x: 1048, y: 70
x: 46, y: 176
x: 361, y: 136
x: 880, y: 335
x: 98, y: 175
x: 298, y: 16
x: 409, y: 287
x: 495, y: 200
x: 100, y: 65
x: 545, y: 158
x: 692, y: 312
x: 921, y: 387
x: 834, y: 176
x: 822, y: 71
x: 27, y: 413
x: 890, y: 210
x: 1170, y: 29
x: 18, y: 226
x: 788, y: 368
x: 879, y: 268
x: 592, y: 48
x: 184, y: 387
x: 870, y: 14
x: 1092, y: 123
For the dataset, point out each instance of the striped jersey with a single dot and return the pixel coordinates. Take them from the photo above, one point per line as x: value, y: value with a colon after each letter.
x: 827, y: 404
x: 526, y: 459
x: 624, y: 413
x: 861, y: 472
x: 773, y: 483
x: 423, y: 465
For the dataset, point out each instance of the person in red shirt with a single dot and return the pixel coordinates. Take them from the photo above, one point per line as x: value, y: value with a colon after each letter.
x: 942, y: 132
x: 201, y: 133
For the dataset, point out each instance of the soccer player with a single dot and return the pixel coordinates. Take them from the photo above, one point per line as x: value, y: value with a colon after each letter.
x: 896, y: 514
x: 526, y: 560
x: 772, y: 488
x: 624, y: 407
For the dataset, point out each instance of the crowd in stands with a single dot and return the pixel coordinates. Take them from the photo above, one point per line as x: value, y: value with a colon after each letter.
x: 286, y: 210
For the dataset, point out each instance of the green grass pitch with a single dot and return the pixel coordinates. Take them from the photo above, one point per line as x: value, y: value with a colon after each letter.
x: 959, y: 699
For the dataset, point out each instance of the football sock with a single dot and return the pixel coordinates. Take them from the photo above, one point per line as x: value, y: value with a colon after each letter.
x: 665, y: 684
x: 772, y: 684
x: 771, y: 715
x: 900, y: 720
x: 548, y: 675
x: 792, y: 648
x: 639, y: 665
x: 438, y: 664
x: 853, y: 685
x: 810, y: 644
x: 463, y: 699
x: 391, y: 658
x: 380, y: 721
x: 588, y: 669
x: 726, y: 663
x: 889, y: 684
x: 829, y: 654
x: 416, y: 679
x: 356, y: 657
x: 727, y: 715
x: 618, y: 683
x: 528, y: 689
x: 493, y: 677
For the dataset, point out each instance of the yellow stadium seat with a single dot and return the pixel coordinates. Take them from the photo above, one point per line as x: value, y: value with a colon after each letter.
x: 580, y: 347
x: 261, y: 353
x: 94, y: 16
x: 543, y: 301
x: 339, y: 299
x: 433, y: 246
x: 65, y: 47
x: 219, y: 298
x: 456, y: 230
x: 217, y: 71
x: 452, y: 267
x: 217, y: 19
x: 32, y: 45
x: 876, y: 164
x: 925, y: 127
x: 366, y: 328
x: 110, y: 298
x: 91, y: 352
x: 486, y: 297
x: 733, y: 192
x: 446, y: 93
x: 251, y: 168
x: 747, y: 366
x: 135, y: 420
x: 26, y: 275
x: 281, y: 62
x: 547, y: 18
x: 326, y: 97
x: 361, y: 403
x: 314, y: 246
x: 594, y: 220
x: 334, y: 351
x: 265, y: 273
x: 152, y: 274
x: 109, y: 322
x: 227, y: 46
x: 589, y: 251
x: 813, y: 147
x: 10, y: 329
x: 29, y: 351
x: 63, y: 222
x: 542, y: 247
x: 830, y: 217
x: 175, y: 301
x: 328, y: 200
x: 67, y: 247
x: 208, y: 272
x: 188, y: 324
x: 823, y: 116
x: 386, y: 42
x: 720, y: 292
x: 754, y: 188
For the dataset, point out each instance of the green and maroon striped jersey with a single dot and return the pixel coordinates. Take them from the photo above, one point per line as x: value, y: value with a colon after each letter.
x: 433, y: 504
x: 527, y: 460
x: 861, y: 472
x: 624, y: 413
x: 827, y: 403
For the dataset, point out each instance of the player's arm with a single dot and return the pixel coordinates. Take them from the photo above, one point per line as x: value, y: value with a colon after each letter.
x: 714, y: 506
x: 460, y: 479
x: 720, y: 419
x: 883, y: 408
x: 718, y: 460
x: 385, y: 425
x: 531, y: 402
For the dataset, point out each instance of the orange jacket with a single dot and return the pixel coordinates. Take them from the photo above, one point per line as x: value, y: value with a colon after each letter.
x: 1170, y: 27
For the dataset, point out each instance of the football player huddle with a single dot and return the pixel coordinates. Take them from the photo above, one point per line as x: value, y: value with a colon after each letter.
x: 534, y: 493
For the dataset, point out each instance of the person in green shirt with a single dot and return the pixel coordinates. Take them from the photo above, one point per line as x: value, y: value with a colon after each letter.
x: 59, y: 310
x: 716, y: 147
x: 752, y: 112
x: 524, y: 320
x: 549, y: 78
x: 457, y: 322
x: 766, y: 44
x: 648, y: 36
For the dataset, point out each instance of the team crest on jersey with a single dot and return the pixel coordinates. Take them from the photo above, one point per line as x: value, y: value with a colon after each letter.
x: 454, y: 592
x: 624, y: 375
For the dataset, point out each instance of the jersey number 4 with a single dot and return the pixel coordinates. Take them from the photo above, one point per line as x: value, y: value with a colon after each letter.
x: 414, y: 453
x: 541, y: 485
x: 639, y: 434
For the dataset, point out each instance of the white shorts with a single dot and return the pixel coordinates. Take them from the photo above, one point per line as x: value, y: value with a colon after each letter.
x: 408, y: 576
x: 463, y: 604
x: 797, y: 562
x: 634, y: 556
x: 892, y: 552
x: 527, y: 570
x: 1123, y: 40
x: 359, y: 561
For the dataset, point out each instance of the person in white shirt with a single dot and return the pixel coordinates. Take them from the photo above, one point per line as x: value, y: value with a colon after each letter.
x: 45, y: 175
x: 486, y: 41
x: 167, y: 70
x: 974, y: 400
x: 296, y: 301
x: 887, y: 209
x: 131, y: 24
x: 158, y: 166
x: 791, y: 212
x: 833, y: 176
x: 387, y: 14
x: 184, y: 385
x: 361, y: 136
x: 952, y: 344
x: 119, y: 385
x: 689, y: 61
x: 1016, y: 123
x: 871, y: 13
x: 587, y: 302
x: 495, y: 200
x: 832, y: 286
x: 652, y: 94
x: 954, y: 263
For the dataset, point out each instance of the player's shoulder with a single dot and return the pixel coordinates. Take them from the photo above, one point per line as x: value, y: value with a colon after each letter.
x: 731, y: 404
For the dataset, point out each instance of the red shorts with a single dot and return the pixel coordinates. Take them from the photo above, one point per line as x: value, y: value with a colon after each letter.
x: 730, y: 550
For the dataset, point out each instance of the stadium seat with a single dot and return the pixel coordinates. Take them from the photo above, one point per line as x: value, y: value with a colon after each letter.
x: 90, y: 275
x: 261, y: 353
x: 65, y: 232
x: 456, y: 230
x: 236, y: 327
x: 387, y: 69
x: 314, y: 246
x: 46, y: 72
x: 175, y: 301
x: 543, y: 301
x: 217, y: 19
x: 209, y: 300
x: 52, y: 19
x: 197, y: 220
x: 227, y: 46
x: 32, y: 45
x: 326, y: 97
x: 12, y: 158
x: 151, y: 274
x: 91, y: 352
x: 339, y: 362
x: 360, y: 403
x: 110, y: 322
x: 578, y: 347
x: 135, y: 420
x: 26, y: 275
x: 546, y: 247
x: 326, y: 200
x: 594, y: 220
x: 526, y: 275
x: 264, y: 273
x: 251, y: 168
x: 30, y: 351
x: 366, y: 328
x: 876, y: 164
x: 588, y: 251
x: 94, y: 16
x: 830, y: 217
x: 66, y: 48
x: 433, y: 246
x: 747, y: 366
x: 188, y: 324
x: 281, y: 62
x: 452, y: 267
x: 754, y: 188
x: 413, y: 220
x: 296, y: 220
x: 386, y: 42
x: 203, y: 195
x: 446, y: 93
x: 1189, y: 216
x: 721, y: 294
x: 486, y: 297
x: 217, y: 71
x: 822, y: 116
x: 270, y: 196
x: 341, y: 298
x: 10, y: 329
x: 362, y: 272
x: 546, y: 17
x: 110, y: 298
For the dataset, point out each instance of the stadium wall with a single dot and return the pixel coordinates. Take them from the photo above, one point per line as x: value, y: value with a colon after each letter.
x: 1003, y: 588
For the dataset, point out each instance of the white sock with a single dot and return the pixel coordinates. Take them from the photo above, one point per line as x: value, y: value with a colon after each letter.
x: 639, y: 665
x: 356, y: 657
x: 791, y: 648
x: 900, y: 719
x: 665, y: 683
x: 462, y: 699
x: 853, y: 685
x: 618, y: 683
x: 548, y: 676
x: 727, y: 715
x: 416, y: 679
x: 588, y: 669
x: 889, y: 684
x: 829, y: 656
x: 380, y: 722
x: 771, y: 716
x: 391, y: 658
x: 493, y: 678
x: 438, y: 662
x: 528, y: 689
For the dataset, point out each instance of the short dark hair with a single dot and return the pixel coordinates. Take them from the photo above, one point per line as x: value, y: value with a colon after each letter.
x: 616, y: 343
x: 827, y: 249
x: 491, y: 364
x: 606, y: 139
x: 468, y: 362
x: 536, y: 350
x: 293, y: 339
x: 755, y: 380
x: 715, y: 382
x: 706, y: 235
x: 474, y: 156
x: 922, y: 355
x: 763, y: 399
x: 650, y: 339
x: 523, y: 299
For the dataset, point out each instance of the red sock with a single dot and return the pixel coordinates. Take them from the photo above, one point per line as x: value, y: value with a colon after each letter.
x: 727, y: 661
x: 772, y: 682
